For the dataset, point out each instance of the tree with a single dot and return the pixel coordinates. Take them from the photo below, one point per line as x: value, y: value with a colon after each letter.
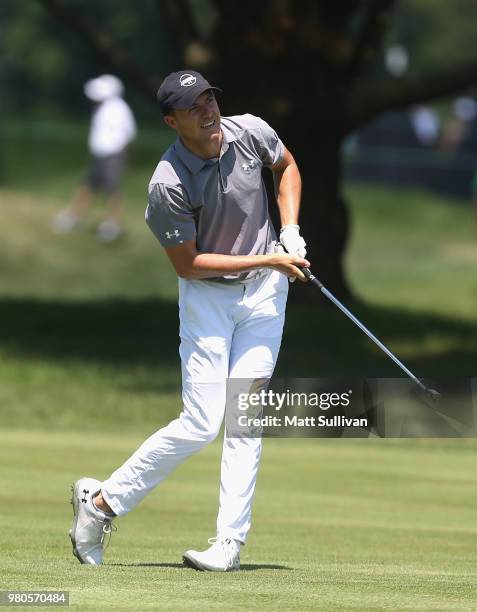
x: 311, y: 67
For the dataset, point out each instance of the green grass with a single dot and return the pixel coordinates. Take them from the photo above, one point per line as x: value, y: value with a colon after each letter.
x: 414, y: 250
x: 88, y: 325
x: 338, y: 525
x: 89, y: 365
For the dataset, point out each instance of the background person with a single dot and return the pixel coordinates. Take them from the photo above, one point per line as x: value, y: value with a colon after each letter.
x: 208, y: 208
x: 112, y: 129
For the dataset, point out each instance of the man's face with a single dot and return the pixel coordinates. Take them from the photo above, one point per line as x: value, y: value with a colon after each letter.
x: 200, y: 123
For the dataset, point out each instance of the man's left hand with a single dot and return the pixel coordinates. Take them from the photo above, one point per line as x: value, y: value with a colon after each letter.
x: 292, y: 241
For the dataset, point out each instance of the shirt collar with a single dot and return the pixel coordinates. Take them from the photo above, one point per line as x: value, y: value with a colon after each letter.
x: 195, y: 163
x: 229, y: 136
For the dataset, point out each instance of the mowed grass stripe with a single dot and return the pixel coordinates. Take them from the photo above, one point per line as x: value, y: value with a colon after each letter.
x: 330, y: 532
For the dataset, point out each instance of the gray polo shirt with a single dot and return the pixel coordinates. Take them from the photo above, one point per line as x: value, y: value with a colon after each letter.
x: 220, y: 202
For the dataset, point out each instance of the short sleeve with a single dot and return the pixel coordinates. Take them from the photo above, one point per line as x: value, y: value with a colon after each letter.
x: 169, y: 216
x: 271, y: 147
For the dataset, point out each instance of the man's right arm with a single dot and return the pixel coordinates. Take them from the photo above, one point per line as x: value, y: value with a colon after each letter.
x: 172, y: 221
x: 191, y: 264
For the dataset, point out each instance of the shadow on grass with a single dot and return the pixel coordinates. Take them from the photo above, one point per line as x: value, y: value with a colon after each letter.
x: 318, y: 341
x: 171, y: 565
x: 247, y: 567
x: 251, y: 567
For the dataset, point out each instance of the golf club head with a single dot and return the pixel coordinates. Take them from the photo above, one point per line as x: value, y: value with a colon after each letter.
x: 435, y: 395
x: 429, y: 397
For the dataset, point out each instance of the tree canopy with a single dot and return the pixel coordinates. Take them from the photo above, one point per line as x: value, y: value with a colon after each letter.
x: 314, y: 69
x: 43, y: 63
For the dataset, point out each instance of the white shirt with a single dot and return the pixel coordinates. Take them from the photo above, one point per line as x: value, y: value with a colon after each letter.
x: 426, y: 124
x: 112, y: 127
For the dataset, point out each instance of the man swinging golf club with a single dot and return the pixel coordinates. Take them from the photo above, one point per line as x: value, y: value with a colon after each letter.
x: 208, y: 208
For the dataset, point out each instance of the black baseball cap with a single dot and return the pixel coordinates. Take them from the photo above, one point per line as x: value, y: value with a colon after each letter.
x: 181, y: 89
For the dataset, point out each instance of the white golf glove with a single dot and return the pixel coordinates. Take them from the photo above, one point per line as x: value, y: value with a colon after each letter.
x: 292, y: 241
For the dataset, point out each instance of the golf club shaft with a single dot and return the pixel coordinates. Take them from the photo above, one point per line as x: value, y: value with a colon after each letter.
x: 364, y: 329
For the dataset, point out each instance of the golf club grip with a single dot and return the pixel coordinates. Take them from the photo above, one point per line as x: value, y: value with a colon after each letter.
x: 311, y: 277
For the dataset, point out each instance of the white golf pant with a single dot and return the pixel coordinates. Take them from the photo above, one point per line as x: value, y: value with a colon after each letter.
x: 226, y: 331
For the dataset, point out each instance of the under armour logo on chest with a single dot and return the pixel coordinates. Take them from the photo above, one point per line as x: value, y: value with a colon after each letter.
x: 174, y: 234
x: 85, y: 493
x: 249, y: 166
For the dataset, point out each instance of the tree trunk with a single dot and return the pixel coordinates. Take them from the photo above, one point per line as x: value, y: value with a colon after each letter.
x: 324, y: 220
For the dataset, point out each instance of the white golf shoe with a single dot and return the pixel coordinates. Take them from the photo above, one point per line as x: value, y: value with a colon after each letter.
x: 90, y: 525
x: 109, y: 230
x: 65, y: 221
x: 222, y: 556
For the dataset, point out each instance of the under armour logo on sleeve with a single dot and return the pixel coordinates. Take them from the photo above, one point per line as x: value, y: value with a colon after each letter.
x: 174, y: 234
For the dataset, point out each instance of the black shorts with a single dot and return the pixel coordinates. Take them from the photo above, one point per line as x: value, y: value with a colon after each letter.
x: 105, y: 173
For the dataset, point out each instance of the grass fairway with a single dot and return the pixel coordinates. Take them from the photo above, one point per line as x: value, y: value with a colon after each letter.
x: 339, y: 525
x: 89, y: 366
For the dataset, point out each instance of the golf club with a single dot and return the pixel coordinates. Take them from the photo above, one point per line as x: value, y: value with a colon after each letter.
x: 312, y: 278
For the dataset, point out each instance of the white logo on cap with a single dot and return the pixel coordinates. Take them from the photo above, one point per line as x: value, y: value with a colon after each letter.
x: 187, y: 80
